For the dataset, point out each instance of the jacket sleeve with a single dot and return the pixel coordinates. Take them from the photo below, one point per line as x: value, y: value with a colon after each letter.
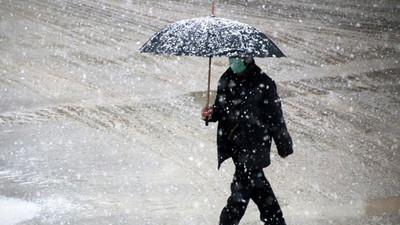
x: 278, y: 127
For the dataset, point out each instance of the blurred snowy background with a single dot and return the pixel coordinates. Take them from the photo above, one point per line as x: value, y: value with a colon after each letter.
x: 93, y: 132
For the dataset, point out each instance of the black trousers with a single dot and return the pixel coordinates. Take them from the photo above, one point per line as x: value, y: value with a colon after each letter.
x: 253, y: 185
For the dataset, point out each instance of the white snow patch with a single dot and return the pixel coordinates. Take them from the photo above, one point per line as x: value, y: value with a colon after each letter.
x: 13, y: 211
x: 57, y: 205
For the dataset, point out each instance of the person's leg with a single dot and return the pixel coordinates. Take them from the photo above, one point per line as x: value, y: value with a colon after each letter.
x: 238, y: 201
x: 264, y: 197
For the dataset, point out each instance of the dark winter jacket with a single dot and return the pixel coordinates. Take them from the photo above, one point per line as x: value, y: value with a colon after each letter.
x: 249, y: 115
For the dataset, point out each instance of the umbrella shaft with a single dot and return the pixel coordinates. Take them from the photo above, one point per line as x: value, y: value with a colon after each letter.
x: 213, y: 8
x: 208, y: 82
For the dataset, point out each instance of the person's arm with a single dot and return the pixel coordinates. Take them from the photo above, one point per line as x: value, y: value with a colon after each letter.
x: 279, y: 131
x: 213, y: 113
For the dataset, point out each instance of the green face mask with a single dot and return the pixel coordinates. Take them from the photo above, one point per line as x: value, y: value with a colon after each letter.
x: 237, y: 65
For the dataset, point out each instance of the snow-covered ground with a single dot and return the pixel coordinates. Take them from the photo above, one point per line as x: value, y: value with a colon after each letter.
x: 93, y: 132
x: 13, y: 211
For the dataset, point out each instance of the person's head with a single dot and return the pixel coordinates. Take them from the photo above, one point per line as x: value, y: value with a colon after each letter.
x: 239, y: 64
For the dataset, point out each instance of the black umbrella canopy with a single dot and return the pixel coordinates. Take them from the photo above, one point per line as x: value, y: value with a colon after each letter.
x: 211, y: 36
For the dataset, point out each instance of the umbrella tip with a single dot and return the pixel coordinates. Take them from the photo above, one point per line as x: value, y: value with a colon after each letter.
x: 213, y: 8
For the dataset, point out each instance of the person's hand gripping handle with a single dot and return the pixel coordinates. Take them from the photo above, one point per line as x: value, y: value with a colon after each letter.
x: 206, y: 113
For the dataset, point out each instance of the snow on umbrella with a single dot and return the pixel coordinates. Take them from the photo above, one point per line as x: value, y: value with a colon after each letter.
x: 211, y: 36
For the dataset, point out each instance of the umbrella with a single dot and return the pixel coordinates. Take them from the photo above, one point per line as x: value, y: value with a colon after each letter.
x: 209, y: 37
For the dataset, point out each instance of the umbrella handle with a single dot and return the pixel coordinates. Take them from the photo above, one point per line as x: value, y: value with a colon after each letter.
x: 206, y: 120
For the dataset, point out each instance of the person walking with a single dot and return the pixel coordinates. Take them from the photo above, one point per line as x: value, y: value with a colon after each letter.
x: 249, y: 115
